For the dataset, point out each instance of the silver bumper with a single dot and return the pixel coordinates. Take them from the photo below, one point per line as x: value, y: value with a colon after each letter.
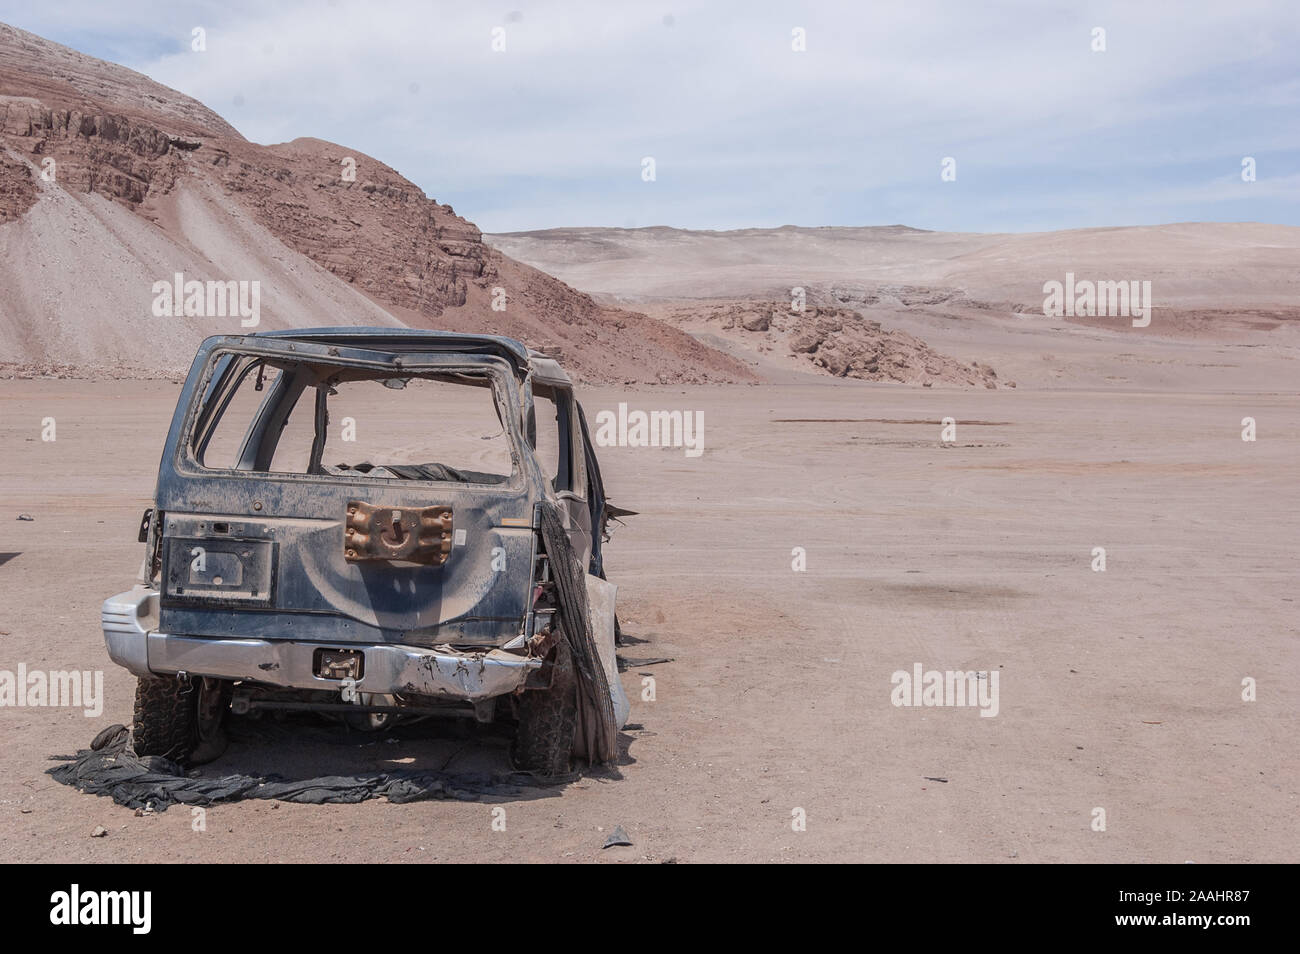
x: 135, y: 644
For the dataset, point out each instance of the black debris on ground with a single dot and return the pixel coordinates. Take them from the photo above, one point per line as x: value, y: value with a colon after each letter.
x: 626, y: 663
x: 112, y: 769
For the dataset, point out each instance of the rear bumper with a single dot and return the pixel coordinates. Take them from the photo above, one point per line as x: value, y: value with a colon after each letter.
x: 389, y: 669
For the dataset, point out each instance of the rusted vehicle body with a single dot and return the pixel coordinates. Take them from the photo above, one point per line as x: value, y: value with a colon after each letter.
x: 374, y: 524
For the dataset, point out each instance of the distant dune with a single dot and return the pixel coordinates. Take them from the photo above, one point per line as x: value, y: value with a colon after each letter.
x: 1205, y: 265
x: 1226, y: 296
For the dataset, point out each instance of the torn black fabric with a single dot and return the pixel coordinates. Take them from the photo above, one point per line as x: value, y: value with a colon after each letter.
x: 114, y: 770
x: 597, y: 738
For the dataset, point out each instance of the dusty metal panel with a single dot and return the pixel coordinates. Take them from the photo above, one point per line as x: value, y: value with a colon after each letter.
x: 479, y: 595
x: 600, y: 607
x: 218, y: 570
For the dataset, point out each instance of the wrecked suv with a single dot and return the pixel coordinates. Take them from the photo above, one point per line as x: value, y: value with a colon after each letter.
x: 374, y: 524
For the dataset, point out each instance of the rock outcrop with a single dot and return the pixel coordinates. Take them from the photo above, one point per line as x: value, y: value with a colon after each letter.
x: 836, y: 341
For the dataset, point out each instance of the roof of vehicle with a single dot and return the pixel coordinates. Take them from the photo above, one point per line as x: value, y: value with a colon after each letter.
x: 544, y: 368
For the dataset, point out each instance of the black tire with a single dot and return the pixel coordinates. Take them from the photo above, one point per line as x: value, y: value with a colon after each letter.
x: 212, y: 708
x: 164, y: 718
x: 180, y: 721
x: 548, y: 720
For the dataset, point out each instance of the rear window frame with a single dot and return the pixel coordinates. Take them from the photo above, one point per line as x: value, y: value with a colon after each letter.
x: 500, y: 384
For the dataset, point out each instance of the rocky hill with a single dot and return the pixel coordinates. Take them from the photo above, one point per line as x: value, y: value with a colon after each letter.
x: 110, y: 182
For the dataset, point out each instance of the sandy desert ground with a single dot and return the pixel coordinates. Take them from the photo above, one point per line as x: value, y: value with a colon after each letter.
x: 1119, y: 690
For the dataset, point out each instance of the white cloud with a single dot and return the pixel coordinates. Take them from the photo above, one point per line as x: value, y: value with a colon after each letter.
x: 746, y: 131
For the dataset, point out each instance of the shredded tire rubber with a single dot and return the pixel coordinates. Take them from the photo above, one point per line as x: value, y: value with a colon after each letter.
x: 154, y: 783
x: 597, y: 737
x: 548, y: 719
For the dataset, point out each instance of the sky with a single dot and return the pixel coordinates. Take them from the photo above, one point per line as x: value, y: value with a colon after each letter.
x: 526, y: 115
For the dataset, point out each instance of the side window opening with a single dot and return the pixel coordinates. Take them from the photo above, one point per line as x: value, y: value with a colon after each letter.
x: 293, y: 446
x: 579, y: 482
x: 231, y: 409
x: 546, y: 413
x: 558, y: 446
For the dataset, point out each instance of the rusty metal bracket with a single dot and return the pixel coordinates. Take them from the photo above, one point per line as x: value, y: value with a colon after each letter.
x: 397, y: 534
x: 541, y: 644
x: 539, y: 647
